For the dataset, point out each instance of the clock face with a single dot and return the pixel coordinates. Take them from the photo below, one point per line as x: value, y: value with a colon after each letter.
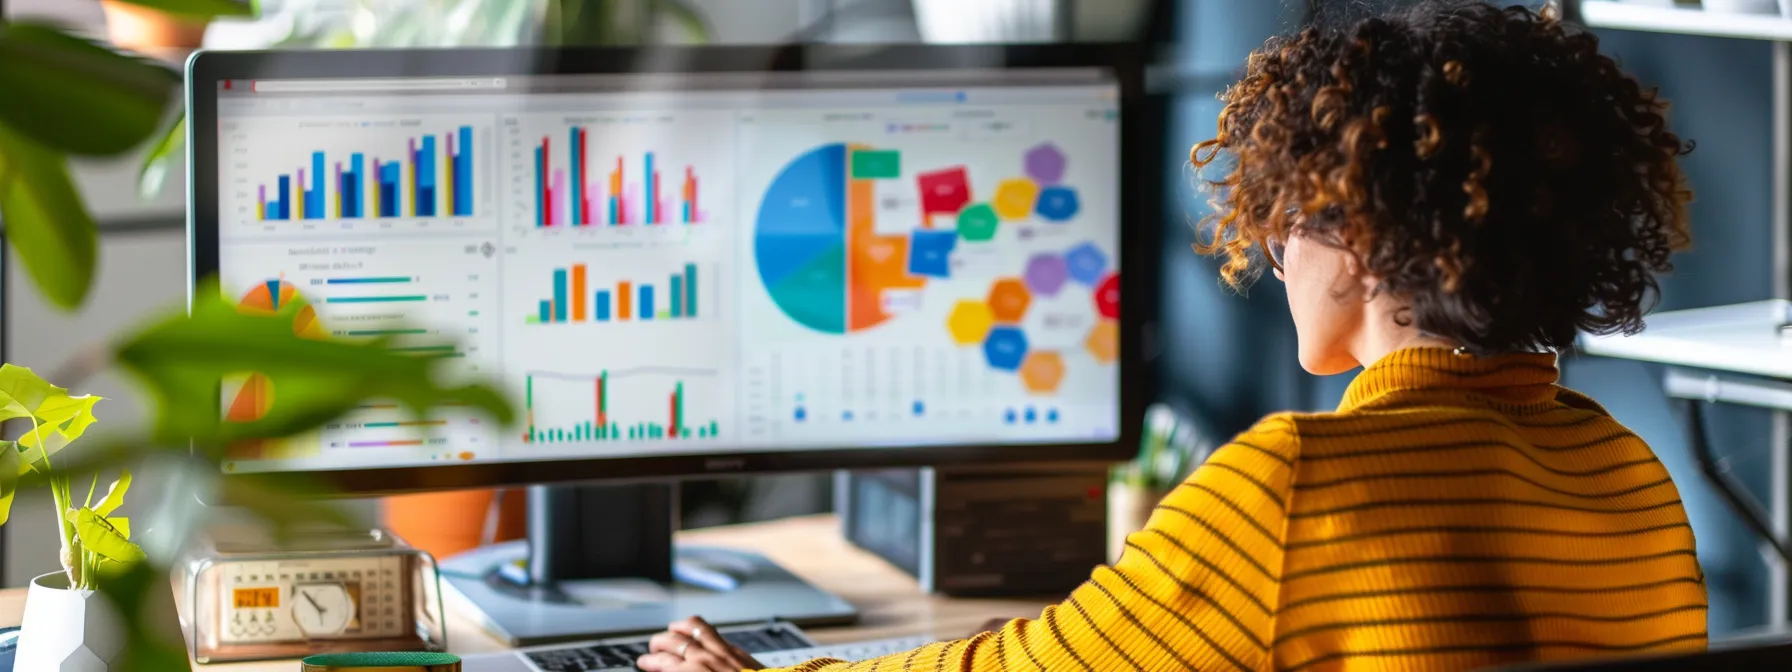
x: 322, y: 608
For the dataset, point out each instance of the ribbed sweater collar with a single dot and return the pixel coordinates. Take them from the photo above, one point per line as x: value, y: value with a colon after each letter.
x: 1523, y: 378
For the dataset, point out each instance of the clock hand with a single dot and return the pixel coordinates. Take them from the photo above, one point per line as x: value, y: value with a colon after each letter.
x: 314, y: 605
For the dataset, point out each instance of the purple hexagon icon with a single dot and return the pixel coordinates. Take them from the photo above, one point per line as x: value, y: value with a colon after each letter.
x: 1046, y: 274
x: 1045, y: 164
x: 1087, y: 264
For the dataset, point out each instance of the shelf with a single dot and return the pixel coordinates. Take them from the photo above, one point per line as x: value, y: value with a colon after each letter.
x: 1743, y: 338
x: 1629, y: 16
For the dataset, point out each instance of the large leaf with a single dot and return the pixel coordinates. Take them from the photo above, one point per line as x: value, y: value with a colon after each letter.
x: 687, y: 17
x: 115, y: 496
x: 154, y: 170
x: 153, y: 642
x: 76, y: 96
x: 122, y: 524
x: 22, y: 392
x: 199, y: 9
x: 9, y: 478
x: 182, y: 360
x: 57, y: 417
x: 99, y: 536
x: 45, y: 217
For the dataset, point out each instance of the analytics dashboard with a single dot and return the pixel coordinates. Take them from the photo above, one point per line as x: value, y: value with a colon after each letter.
x: 693, y: 264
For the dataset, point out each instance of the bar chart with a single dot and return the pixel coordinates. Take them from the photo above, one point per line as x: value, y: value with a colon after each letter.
x: 610, y: 175
x: 616, y: 198
x: 636, y: 404
x: 576, y: 297
x: 431, y: 180
x: 285, y: 176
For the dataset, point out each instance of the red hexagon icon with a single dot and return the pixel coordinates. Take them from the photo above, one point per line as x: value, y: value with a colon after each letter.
x: 1107, y: 297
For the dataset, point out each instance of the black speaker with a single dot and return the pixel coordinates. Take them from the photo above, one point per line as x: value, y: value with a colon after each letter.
x: 981, y: 532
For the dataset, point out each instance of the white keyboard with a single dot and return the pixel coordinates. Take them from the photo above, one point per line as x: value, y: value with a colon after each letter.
x: 850, y: 651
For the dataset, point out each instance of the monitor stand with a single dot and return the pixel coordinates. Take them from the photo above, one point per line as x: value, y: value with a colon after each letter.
x: 599, y: 561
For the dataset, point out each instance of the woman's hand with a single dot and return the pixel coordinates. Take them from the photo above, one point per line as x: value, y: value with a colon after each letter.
x: 692, y: 645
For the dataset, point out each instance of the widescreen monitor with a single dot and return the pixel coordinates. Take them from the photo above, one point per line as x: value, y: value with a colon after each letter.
x: 685, y: 261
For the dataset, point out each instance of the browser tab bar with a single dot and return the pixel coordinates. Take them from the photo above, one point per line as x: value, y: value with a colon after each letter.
x: 406, y: 84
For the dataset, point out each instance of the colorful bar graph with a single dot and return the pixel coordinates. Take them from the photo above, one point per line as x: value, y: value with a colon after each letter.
x: 575, y: 298
x: 577, y: 196
x: 601, y: 426
x: 434, y: 179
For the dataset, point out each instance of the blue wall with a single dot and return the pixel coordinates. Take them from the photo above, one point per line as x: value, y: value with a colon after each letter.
x: 1231, y: 357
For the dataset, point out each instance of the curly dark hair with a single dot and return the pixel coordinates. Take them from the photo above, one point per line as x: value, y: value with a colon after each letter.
x: 1487, y: 165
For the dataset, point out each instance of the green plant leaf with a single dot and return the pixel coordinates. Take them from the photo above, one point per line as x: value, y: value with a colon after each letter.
x: 73, y: 95
x: 9, y: 477
x: 22, y: 392
x: 115, y: 496
x: 687, y: 17
x: 199, y: 9
x: 182, y: 360
x: 99, y: 536
x: 154, y: 170
x: 122, y: 524
x: 57, y: 417
x: 46, y: 218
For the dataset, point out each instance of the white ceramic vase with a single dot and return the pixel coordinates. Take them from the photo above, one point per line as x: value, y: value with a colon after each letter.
x: 1129, y: 508
x: 68, y: 630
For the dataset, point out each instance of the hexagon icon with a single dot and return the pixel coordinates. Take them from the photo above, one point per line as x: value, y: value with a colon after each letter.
x: 1006, y: 348
x: 970, y: 322
x: 1057, y: 204
x: 1015, y: 198
x: 1107, y: 297
x: 1008, y: 299
x: 1045, y: 163
x: 1046, y: 274
x: 1103, y: 342
x: 977, y: 223
x: 1042, y: 371
x: 1087, y: 263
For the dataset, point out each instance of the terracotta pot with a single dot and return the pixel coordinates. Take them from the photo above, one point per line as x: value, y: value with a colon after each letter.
x: 448, y: 523
x: 1129, y: 508
x: 68, y: 630
x: 140, y: 28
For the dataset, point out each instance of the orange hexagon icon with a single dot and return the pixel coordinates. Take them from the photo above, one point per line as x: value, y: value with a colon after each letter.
x: 1008, y: 299
x: 1042, y: 371
x: 1104, y: 341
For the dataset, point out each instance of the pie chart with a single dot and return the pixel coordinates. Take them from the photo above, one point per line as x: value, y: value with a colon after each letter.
x: 815, y: 241
x: 271, y: 297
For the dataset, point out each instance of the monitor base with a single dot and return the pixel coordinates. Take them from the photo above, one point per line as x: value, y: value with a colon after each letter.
x: 600, y: 561
x: 482, y: 582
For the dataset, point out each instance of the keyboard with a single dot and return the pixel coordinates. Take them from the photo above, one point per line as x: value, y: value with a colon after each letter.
x: 849, y: 651
x: 620, y: 654
x: 773, y: 644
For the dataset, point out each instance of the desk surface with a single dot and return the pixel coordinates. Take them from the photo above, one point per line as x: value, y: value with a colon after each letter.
x: 890, y: 603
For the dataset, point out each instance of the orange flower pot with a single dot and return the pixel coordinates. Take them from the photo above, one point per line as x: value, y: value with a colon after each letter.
x: 139, y: 28
x: 449, y: 523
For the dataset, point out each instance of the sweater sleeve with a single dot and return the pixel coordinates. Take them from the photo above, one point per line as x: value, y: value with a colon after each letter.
x: 1195, y: 590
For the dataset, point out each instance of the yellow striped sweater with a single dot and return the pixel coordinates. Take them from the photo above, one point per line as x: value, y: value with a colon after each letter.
x: 1455, y: 512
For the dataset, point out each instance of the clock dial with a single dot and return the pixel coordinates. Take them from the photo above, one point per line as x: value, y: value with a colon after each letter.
x: 321, y: 608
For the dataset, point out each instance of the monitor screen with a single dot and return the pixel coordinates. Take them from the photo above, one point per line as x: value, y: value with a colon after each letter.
x: 693, y: 264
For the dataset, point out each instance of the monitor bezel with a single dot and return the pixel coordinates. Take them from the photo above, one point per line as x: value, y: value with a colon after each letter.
x: 207, y: 69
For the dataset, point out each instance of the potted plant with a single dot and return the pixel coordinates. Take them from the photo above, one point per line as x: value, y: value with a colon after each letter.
x: 1172, y: 445
x: 164, y: 27
x: 66, y: 620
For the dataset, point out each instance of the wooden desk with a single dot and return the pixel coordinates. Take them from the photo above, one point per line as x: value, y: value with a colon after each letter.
x: 889, y: 602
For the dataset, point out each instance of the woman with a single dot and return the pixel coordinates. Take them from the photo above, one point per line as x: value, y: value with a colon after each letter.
x: 1450, y: 194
